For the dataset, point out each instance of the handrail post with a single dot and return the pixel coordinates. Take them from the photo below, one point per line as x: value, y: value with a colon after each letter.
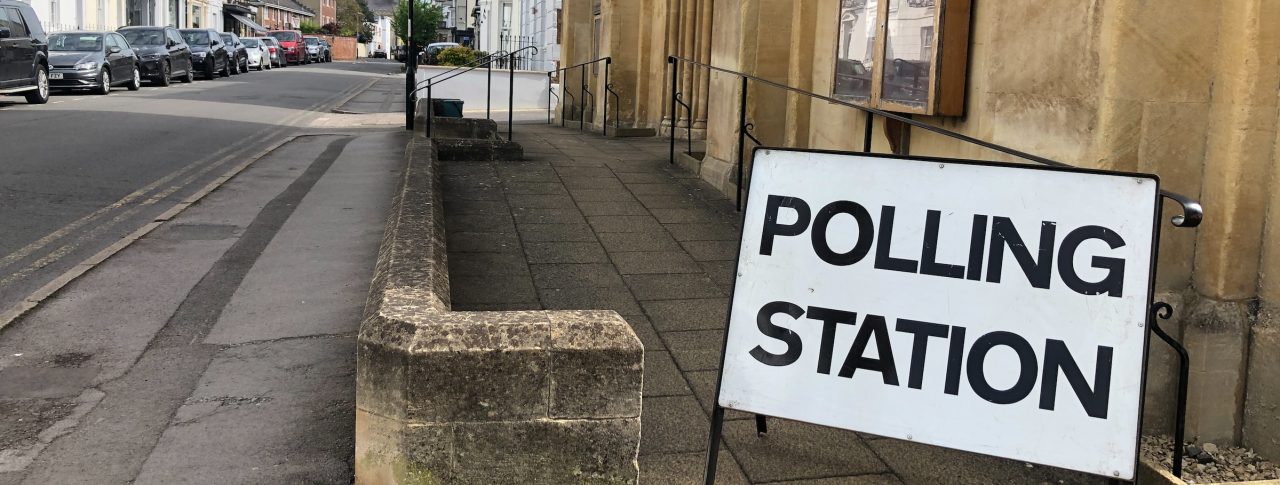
x: 430, y: 109
x: 411, y: 78
x: 548, y: 97
x: 742, y: 139
x: 488, y: 88
x: 674, y: 67
x: 582, y: 102
x: 866, y: 132
x: 604, y: 122
x: 511, y: 97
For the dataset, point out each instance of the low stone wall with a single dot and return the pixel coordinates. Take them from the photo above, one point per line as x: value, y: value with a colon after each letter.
x: 483, y: 397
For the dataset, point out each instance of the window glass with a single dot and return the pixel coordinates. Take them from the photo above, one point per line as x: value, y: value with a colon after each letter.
x: 111, y: 42
x: 17, y: 28
x: 144, y: 37
x: 908, y: 55
x: 196, y: 37
x: 120, y: 42
x: 855, y: 49
x: 174, y: 36
x: 75, y: 42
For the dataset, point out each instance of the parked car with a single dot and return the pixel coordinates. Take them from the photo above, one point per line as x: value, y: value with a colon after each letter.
x: 277, y: 52
x: 163, y: 53
x: 259, y: 56
x: 326, y: 51
x: 208, y: 52
x: 92, y: 60
x: 399, y: 54
x: 312, y: 45
x: 291, y: 41
x: 239, y: 55
x: 378, y: 53
x: 24, y: 53
x: 432, y: 52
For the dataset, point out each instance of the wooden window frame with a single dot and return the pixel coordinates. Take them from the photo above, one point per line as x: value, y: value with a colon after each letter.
x: 948, y: 61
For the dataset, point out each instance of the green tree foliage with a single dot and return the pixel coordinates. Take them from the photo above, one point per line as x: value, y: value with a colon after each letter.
x: 309, y: 27
x: 426, y: 19
x: 456, y: 56
x: 351, y: 19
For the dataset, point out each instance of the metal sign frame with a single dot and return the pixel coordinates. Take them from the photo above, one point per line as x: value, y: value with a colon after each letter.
x: 1190, y: 218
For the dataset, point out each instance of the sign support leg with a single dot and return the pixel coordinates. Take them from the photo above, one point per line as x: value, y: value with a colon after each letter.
x: 713, y: 447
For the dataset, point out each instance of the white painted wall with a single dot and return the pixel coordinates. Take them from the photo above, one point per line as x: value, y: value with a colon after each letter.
x: 470, y: 87
x: 538, y: 20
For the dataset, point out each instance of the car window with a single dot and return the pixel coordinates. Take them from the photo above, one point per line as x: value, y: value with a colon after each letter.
x: 285, y: 36
x: 311, y: 40
x: 123, y: 44
x: 197, y: 37
x: 250, y: 43
x: 13, y: 20
x: 75, y: 42
x: 226, y: 38
x: 144, y: 37
x: 174, y: 36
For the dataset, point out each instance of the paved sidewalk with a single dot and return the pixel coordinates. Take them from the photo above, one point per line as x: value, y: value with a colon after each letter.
x: 605, y: 223
x: 219, y: 348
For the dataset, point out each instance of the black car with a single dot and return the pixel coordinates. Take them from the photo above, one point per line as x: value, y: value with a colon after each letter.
x: 24, y: 53
x: 163, y: 53
x: 92, y: 60
x: 239, y: 53
x: 208, y: 52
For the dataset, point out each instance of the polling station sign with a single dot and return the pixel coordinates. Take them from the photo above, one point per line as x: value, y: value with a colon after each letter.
x: 991, y: 308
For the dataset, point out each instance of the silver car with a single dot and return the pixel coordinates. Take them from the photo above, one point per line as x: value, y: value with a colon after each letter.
x: 259, y: 56
x: 276, y: 52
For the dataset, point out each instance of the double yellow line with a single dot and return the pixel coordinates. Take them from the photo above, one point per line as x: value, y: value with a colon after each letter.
x: 137, y: 201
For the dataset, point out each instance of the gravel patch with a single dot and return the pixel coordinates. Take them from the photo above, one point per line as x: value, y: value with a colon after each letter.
x: 1209, y: 463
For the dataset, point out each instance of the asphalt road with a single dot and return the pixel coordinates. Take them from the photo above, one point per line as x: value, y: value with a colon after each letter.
x: 84, y: 171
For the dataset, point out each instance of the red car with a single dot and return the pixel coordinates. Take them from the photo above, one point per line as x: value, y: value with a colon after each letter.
x: 291, y: 42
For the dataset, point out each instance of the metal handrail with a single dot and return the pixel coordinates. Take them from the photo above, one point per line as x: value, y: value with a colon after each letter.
x: 582, y: 115
x: 488, y: 62
x: 476, y: 63
x: 1192, y: 212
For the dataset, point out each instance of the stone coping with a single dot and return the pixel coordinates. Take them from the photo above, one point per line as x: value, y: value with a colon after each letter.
x: 483, y: 397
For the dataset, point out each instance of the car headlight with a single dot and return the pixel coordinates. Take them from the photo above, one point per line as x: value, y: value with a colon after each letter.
x: 86, y: 66
x: 199, y: 55
x: 152, y: 57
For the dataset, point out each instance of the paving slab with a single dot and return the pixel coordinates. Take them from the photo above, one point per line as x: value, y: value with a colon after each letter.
x: 669, y: 242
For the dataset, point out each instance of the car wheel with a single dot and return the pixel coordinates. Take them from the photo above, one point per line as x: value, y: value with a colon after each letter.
x: 244, y: 66
x: 208, y: 71
x: 165, y: 71
x: 190, y: 76
x: 41, y: 94
x: 233, y: 66
x: 226, y: 69
x: 136, y: 84
x: 105, y: 80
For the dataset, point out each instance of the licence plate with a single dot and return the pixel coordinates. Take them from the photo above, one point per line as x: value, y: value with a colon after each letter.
x: 55, y: 75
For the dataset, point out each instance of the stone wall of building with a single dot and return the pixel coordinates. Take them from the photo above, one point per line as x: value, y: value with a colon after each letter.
x: 1188, y: 92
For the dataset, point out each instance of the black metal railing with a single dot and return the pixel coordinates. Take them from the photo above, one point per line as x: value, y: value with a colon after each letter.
x: 488, y: 62
x: 584, y: 91
x: 1191, y: 216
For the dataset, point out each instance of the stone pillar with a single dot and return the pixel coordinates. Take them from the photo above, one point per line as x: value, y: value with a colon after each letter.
x: 804, y: 18
x: 1262, y: 402
x: 1238, y: 162
x: 672, y: 41
x: 703, y: 76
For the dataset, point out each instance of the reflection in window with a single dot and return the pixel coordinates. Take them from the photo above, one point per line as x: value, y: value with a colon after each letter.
x: 855, y: 51
x: 908, y: 52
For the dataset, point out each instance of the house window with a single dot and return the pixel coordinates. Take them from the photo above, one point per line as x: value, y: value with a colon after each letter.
x: 889, y: 55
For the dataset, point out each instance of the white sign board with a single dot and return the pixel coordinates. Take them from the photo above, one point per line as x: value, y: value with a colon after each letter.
x: 994, y: 309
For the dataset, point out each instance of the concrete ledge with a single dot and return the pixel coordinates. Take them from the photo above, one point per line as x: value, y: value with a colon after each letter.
x: 483, y: 397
